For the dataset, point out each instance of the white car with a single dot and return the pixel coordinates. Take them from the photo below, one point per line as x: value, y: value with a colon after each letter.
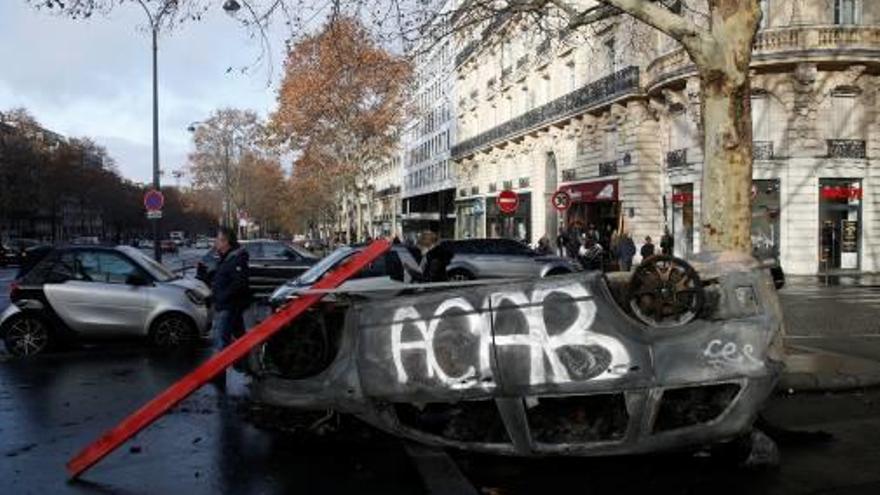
x: 83, y: 292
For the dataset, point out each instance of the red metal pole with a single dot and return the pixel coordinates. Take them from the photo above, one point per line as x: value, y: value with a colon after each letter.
x: 152, y: 410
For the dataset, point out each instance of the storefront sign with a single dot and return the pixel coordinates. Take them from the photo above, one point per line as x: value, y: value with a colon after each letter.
x: 841, y: 193
x: 592, y: 192
x: 507, y: 201
x: 561, y: 200
x: 682, y: 198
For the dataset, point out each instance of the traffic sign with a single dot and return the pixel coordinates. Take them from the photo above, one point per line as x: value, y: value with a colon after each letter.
x: 507, y: 201
x: 154, y: 214
x: 561, y: 200
x: 153, y: 200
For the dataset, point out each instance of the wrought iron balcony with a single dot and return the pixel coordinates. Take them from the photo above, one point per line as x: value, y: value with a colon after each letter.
x: 762, y: 150
x: 508, y: 185
x: 523, y: 182
x: 493, y: 187
x: 846, y: 148
x: 608, y: 168
x: 569, y: 175
x: 621, y: 83
x: 677, y: 158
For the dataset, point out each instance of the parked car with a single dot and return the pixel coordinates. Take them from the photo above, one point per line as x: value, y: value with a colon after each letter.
x: 502, y: 258
x: 85, y: 292
x: 271, y: 263
x: 168, y: 246
x: 203, y: 243
x: 586, y: 364
x: 397, y: 267
x: 14, y: 251
x: 86, y: 240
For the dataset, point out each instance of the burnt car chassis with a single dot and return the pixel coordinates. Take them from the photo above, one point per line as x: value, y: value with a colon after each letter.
x: 584, y: 364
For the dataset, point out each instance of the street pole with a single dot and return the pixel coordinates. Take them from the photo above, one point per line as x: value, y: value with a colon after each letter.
x: 157, y: 249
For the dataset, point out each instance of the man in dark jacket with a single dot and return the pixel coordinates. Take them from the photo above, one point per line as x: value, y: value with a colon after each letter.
x: 230, y: 290
x: 647, y: 249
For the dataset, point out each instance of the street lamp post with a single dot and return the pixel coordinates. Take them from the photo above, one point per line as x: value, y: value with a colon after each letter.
x: 155, y: 23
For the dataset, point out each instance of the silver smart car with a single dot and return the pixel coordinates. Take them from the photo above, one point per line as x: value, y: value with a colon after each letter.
x: 87, y: 292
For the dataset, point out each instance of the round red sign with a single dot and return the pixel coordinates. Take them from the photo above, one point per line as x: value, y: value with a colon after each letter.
x: 507, y: 201
x: 561, y: 200
x: 153, y: 200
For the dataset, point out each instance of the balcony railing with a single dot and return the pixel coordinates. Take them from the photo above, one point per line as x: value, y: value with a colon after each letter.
x: 523, y: 182
x: 847, y: 148
x: 677, y: 158
x: 812, y: 40
x: 569, y: 175
x: 508, y: 185
x: 493, y: 187
x: 762, y: 150
x: 608, y: 168
x: 619, y: 84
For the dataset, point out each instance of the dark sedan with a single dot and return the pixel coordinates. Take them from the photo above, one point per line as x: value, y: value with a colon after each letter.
x: 271, y: 264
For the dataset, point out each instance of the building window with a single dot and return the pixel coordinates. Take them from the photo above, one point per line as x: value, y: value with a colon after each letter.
x: 765, y: 17
x: 611, y: 55
x: 846, y: 11
x: 846, y: 114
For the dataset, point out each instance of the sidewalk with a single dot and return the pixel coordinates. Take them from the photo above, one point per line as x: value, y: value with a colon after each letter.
x: 811, y: 369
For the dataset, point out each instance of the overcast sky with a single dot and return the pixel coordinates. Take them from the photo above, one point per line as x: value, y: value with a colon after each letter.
x: 92, y: 78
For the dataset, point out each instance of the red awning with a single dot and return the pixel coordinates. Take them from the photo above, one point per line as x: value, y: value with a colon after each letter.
x: 592, y: 192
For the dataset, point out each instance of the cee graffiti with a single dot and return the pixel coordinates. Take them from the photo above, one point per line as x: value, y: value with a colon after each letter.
x: 569, y: 353
x: 720, y: 354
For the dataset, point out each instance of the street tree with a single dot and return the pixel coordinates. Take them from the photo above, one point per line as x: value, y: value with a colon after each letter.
x: 341, y: 103
x: 225, y: 145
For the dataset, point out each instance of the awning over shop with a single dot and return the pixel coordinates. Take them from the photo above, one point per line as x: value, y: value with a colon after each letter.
x: 592, y: 192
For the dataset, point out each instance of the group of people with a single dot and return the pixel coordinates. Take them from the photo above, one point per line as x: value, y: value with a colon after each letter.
x: 596, y: 252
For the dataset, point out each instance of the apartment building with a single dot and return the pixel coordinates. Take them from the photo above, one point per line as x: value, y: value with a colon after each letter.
x: 610, y: 114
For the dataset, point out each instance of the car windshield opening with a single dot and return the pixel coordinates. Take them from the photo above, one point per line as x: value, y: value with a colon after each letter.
x: 158, y: 270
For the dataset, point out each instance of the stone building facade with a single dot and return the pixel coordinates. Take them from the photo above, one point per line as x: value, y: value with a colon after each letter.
x: 611, y: 116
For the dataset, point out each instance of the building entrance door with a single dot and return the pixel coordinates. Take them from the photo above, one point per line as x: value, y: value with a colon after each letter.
x: 840, y: 211
x: 683, y: 220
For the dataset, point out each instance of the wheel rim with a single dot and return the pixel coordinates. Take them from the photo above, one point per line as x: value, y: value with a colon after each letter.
x: 665, y: 291
x: 27, y: 336
x: 171, y: 332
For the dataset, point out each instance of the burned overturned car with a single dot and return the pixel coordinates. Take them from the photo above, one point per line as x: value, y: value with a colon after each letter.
x: 673, y: 355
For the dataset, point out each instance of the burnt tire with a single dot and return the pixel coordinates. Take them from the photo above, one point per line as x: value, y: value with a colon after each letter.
x: 173, y: 331
x: 27, y: 334
x: 301, y: 349
x: 460, y: 276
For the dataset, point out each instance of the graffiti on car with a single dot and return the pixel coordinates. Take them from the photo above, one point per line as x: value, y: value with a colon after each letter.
x: 558, y: 352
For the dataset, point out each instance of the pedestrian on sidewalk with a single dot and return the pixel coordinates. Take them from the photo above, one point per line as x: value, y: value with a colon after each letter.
x: 231, y: 293
x: 647, y: 248
x: 626, y: 252
x: 436, y: 257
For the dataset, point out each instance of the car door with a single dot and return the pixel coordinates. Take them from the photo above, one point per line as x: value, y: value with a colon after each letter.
x: 284, y: 262
x: 97, y: 300
x: 516, y: 259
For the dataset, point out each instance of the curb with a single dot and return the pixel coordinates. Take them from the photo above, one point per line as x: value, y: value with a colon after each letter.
x: 808, y: 369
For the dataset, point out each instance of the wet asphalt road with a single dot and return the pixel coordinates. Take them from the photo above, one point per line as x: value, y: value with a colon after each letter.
x: 51, y: 406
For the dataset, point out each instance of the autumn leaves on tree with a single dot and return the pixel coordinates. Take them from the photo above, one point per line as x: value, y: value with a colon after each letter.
x: 340, y: 107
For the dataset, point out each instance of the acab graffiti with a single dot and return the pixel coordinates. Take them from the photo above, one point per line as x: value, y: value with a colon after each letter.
x: 573, y: 353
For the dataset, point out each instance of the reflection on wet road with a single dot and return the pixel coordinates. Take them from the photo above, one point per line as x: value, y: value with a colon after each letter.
x: 51, y: 406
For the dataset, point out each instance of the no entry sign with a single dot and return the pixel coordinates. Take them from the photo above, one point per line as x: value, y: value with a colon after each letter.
x: 561, y: 200
x: 507, y: 201
x: 153, y: 200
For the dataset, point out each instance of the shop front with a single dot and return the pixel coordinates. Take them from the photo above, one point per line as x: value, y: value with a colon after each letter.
x: 432, y: 212
x: 470, y: 218
x: 765, y: 219
x: 595, y: 204
x: 840, y: 212
x: 516, y: 225
x: 683, y: 220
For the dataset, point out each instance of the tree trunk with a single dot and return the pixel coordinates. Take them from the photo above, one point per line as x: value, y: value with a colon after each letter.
x: 727, y: 126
